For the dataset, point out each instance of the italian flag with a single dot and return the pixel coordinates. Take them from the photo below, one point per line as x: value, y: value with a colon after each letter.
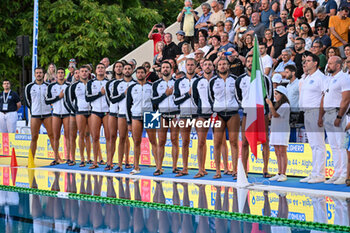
x: 255, y: 123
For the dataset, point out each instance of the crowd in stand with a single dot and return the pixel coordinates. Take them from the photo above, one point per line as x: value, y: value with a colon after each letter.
x: 305, y: 58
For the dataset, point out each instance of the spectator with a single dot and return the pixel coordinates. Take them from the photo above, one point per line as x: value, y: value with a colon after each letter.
x: 310, y: 18
x: 286, y: 60
x: 9, y: 105
x: 158, y: 58
x: 238, y: 13
x: 346, y: 66
x: 317, y: 50
x: 202, y: 22
x: 248, y: 11
x: 291, y: 37
x: 170, y: 50
x: 345, y: 3
x: 244, y: 2
x: 280, y: 40
x: 311, y: 4
x: 322, y: 17
x: 156, y: 37
x: 306, y: 34
x: 186, y: 53
x: 300, y: 54
x: 50, y: 75
x: 257, y: 27
x: 216, y: 44
x: 292, y: 89
x: 347, y: 50
x: 266, y: 60
x: 217, y: 15
x: 339, y: 28
x: 298, y: 10
x: 150, y: 76
x: 225, y: 44
x: 105, y: 61
x: 331, y: 7
x: 256, y: 5
x: 220, y: 27
x: 188, y: 19
x: 181, y: 38
x: 71, y: 68
x: 289, y: 7
x: 332, y: 51
x: 245, y: 44
x: 269, y: 42
x: 202, y: 44
x: 229, y: 14
x: 198, y: 55
x: 265, y: 13
x: 242, y: 28
x: 229, y: 30
x: 284, y: 17
x: 276, y: 80
x: 235, y: 62
x: 321, y: 31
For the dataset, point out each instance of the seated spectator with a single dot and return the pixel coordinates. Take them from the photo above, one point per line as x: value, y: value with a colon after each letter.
x: 346, y: 65
x: 286, y: 60
x: 188, y: 19
x: 217, y: 14
x: 158, y: 36
x: 229, y: 30
x: 332, y: 51
x: 280, y: 40
x: 186, y: 53
x: 345, y: 3
x: 347, y: 50
x: 181, y: 38
x: 150, y: 76
x: 283, y: 17
x: 248, y: 11
x: 311, y: 4
x: 202, y: 22
x: 229, y: 14
x: 158, y: 58
x: 245, y: 44
x: 220, y: 27
x: 198, y: 55
x: 202, y: 43
x: 257, y: 27
x: 202, y: 33
x: 331, y: 7
x: 310, y: 18
x: 242, y: 28
x: 306, y: 34
x: 239, y: 10
x: 339, y: 29
x: 170, y: 50
x: 321, y: 31
x: 317, y: 49
x: 215, y: 46
x: 268, y: 39
x: 322, y: 17
x: 289, y: 7
x: 225, y: 44
x: 50, y: 75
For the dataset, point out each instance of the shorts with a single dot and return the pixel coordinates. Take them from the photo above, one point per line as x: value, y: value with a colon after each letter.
x: 84, y: 113
x: 42, y: 116
x: 100, y: 114
x: 122, y: 116
x: 62, y: 116
x: 114, y: 114
x: 204, y: 116
x: 139, y: 118
x: 226, y: 116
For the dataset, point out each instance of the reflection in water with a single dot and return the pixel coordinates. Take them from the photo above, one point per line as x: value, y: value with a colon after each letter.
x: 47, y: 213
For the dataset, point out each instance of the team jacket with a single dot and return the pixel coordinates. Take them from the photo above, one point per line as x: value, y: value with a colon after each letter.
x: 200, y: 96
x: 78, y: 99
x: 242, y: 90
x: 113, y: 107
x: 182, y: 98
x: 223, y: 94
x: 138, y: 100
x: 67, y: 100
x: 35, y: 99
x: 118, y: 95
x: 52, y: 97
x: 98, y: 102
x: 162, y: 102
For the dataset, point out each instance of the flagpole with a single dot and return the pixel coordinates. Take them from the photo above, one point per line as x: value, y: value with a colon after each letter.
x: 35, y: 37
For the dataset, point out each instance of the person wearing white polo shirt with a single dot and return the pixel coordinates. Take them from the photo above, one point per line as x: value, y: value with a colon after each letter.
x: 9, y: 105
x: 334, y: 105
x: 311, y: 93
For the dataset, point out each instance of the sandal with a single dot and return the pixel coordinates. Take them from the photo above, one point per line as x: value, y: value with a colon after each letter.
x: 89, y: 162
x: 118, y: 169
x: 82, y: 164
x: 234, y: 176
x: 127, y: 166
x: 93, y: 166
x: 68, y: 161
x: 267, y: 175
x: 198, y: 175
x: 157, y: 173
x: 181, y: 174
x: 217, y: 176
x: 102, y: 162
x: 72, y: 163
x: 108, y: 167
x: 176, y: 170
x: 228, y: 173
x: 205, y: 173
x: 53, y: 163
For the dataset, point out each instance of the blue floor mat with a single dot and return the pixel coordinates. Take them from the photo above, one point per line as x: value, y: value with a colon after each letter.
x: 292, y: 182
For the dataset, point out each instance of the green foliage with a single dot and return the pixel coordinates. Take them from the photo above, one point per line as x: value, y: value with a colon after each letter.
x: 86, y: 30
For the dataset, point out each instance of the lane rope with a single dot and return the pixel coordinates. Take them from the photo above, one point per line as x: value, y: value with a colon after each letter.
x: 183, y: 209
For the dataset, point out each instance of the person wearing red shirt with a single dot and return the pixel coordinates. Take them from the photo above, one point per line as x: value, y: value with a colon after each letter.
x: 156, y: 37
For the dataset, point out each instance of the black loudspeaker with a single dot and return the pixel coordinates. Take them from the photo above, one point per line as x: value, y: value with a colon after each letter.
x: 22, y: 46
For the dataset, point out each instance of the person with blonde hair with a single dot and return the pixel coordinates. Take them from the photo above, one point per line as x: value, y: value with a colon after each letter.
x: 50, y: 75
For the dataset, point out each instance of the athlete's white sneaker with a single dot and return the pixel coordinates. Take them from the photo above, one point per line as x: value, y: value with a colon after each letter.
x: 331, y: 180
x: 340, y: 180
x: 282, y: 178
x: 306, y: 179
x: 275, y: 177
x: 316, y: 179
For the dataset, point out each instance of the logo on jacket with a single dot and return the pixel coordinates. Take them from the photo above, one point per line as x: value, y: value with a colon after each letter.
x: 151, y: 120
